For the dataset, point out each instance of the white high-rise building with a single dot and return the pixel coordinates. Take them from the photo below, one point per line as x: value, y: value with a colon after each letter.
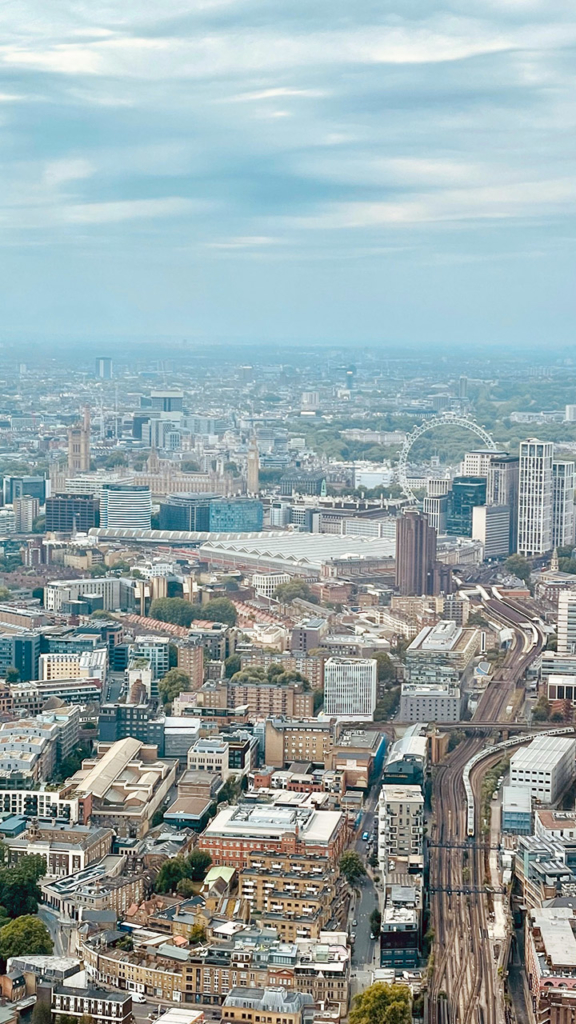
x: 535, y: 497
x: 125, y: 506
x: 400, y: 827
x: 567, y: 622
x: 563, y: 503
x: 350, y: 688
x: 477, y: 463
x: 491, y: 525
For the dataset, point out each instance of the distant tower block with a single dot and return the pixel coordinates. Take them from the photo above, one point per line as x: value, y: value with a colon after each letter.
x: 103, y: 367
x: 253, y: 468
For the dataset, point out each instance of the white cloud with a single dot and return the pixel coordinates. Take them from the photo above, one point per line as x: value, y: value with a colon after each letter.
x: 58, y: 172
x: 108, y: 213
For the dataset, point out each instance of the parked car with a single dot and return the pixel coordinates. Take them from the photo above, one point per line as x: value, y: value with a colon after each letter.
x: 365, y: 836
x: 137, y: 997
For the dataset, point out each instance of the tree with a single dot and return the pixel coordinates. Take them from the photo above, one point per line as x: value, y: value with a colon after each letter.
x: 318, y: 700
x: 173, y: 609
x: 518, y: 566
x: 230, y: 791
x: 232, y: 665
x: 98, y: 570
x: 19, y: 892
x: 375, y: 921
x: 174, y: 682
x: 170, y: 874
x: 541, y: 709
x: 157, y: 818
x: 5, y: 593
x: 197, y: 934
x: 186, y: 888
x: 172, y: 656
x: 382, y: 1004
x: 26, y: 934
x: 385, y: 667
x: 71, y: 763
x: 12, y: 674
x: 41, y: 1014
x: 115, y: 459
x: 288, y: 592
x: 351, y: 866
x: 197, y: 865
x: 220, y: 609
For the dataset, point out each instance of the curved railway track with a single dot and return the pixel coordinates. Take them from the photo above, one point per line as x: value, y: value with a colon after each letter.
x: 463, y: 984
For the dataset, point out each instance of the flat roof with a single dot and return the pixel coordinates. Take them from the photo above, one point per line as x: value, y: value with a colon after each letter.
x: 559, y: 943
x: 445, y: 637
x: 517, y: 799
x: 268, y: 821
x: 543, y: 753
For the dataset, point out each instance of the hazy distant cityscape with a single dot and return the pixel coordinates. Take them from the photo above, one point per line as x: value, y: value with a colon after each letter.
x: 288, y: 686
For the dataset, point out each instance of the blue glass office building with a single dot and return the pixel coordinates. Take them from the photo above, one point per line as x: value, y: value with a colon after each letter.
x: 236, y: 516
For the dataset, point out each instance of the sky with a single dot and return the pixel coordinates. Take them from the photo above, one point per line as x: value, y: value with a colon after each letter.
x: 385, y: 172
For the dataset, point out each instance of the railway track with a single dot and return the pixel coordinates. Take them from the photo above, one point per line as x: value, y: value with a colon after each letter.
x: 463, y: 985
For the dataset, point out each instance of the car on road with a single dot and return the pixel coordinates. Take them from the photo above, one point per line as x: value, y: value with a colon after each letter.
x: 137, y: 997
x: 365, y: 836
x: 354, y: 924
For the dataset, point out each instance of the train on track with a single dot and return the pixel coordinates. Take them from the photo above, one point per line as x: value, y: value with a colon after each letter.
x: 504, y: 745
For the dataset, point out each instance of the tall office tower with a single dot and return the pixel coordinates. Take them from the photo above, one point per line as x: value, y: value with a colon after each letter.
x: 477, y: 463
x: 253, y: 468
x: 71, y: 513
x: 535, y: 497
x: 562, y: 503
x: 79, y: 445
x: 567, y: 622
x: 350, y: 687
x: 415, y: 554
x: 18, y: 486
x: 491, y: 526
x: 167, y: 400
x: 437, y: 487
x: 570, y: 413
x: 103, y: 368
x: 467, y: 493
x: 126, y: 507
x: 25, y: 512
x: 436, y: 509
x: 502, y: 489
x: 463, y: 387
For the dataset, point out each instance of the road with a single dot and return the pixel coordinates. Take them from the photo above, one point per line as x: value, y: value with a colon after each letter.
x: 115, y: 684
x: 57, y: 933
x: 365, y: 947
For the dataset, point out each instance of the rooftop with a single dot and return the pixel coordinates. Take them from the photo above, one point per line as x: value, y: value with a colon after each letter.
x: 271, y: 822
x: 517, y: 799
x: 543, y: 753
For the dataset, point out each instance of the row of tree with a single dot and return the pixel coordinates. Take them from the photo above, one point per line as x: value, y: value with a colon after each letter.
x: 182, y: 613
x: 20, y: 930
